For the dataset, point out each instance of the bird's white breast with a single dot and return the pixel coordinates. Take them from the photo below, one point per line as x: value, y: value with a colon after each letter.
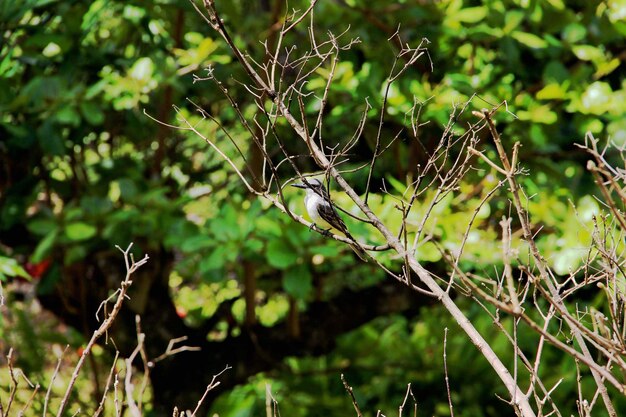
x: 312, y: 200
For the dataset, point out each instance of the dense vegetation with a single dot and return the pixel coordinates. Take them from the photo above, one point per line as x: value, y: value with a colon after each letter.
x: 85, y: 165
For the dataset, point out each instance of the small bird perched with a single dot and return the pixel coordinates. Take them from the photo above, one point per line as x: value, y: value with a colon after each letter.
x: 321, y: 210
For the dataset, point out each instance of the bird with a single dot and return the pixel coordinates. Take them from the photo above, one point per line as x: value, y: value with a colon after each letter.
x: 323, y: 213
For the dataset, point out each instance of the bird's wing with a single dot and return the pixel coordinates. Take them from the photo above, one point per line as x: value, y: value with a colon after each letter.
x: 329, y: 214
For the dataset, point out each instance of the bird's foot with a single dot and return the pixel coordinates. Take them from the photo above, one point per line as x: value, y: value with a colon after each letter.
x: 325, y: 232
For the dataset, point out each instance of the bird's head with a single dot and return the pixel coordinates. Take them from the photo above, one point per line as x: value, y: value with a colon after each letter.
x: 310, y: 184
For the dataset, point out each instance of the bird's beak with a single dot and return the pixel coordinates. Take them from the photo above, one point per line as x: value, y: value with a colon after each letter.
x: 299, y: 185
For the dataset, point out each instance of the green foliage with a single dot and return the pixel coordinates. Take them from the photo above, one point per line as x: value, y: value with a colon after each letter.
x: 10, y: 268
x: 382, y: 357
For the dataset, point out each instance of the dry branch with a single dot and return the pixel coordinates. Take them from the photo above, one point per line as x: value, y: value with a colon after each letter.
x: 131, y: 267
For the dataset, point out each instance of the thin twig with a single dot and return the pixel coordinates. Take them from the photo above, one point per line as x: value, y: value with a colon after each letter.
x: 54, y: 375
x: 351, y: 394
x: 107, y: 384
x: 445, y: 371
x: 14, y: 381
x: 212, y: 385
x: 29, y: 402
x: 171, y: 350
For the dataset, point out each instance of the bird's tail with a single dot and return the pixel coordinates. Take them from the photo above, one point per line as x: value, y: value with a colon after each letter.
x: 360, y: 252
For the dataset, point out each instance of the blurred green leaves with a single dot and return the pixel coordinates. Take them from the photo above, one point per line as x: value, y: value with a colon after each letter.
x: 280, y: 254
x: 298, y: 281
x: 74, y: 89
x: 10, y: 268
x: 79, y: 231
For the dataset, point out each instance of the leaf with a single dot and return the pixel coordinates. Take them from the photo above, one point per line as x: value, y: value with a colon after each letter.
x: 297, y: 281
x: 280, y: 255
x: 253, y: 245
x: 68, y: 115
x: 178, y: 232
x: 41, y: 226
x: 605, y: 68
x: 196, y: 243
x: 555, y: 71
x: 80, y: 231
x: 10, y: 268
x: 49, y: 280
x: 49, y: 139
x: 215, y: 260
x: 471, y: 14
x: 7, y: 64
x: 142, y: 69
x: 43, y: 247
x: 226, y: 225
x: 268, y: 225
x: 538, y: 114
x: 92, y: 113
x: 512, y: 20
x: 588, y: 53
x: 616, y: 11
x: 530, y: 40
x: 127, y: 188
x: 597, y: 98
x: 75, y: 254
x: 297, y: 237
x: 551, y: 91
x: 574, y: 32
x: 557, y: 4
x: 95, y: 206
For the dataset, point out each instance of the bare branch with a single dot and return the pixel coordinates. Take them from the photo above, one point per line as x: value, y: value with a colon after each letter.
x: 351, y: 394
x: 131, y: 267
x: 212, y: 385
x: 54, y: 375
x: 445, y: 370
